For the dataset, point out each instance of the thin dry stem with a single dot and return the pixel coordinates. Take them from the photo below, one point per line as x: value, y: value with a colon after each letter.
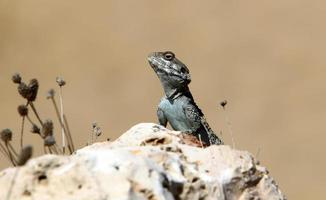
x: 35, y: 112
x: 50, y: 150
x: 228, y: 122
x: 29, y: 119
x: 3, y: 150
x: 62, y: 121
x: 13, y: 149
x: 44, y: 149
x: 7, y: 157
x: 92, y: 137
x: 64, y: 126
x: 22, y: 133
x: 69, y: 133
x: 54, y: 149
x: 58, y: 148
x: 258, y: 153
x: 34, y: 125
x: 10, y: 155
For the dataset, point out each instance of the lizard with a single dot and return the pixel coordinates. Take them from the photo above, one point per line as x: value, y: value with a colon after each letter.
x: 178, y: 107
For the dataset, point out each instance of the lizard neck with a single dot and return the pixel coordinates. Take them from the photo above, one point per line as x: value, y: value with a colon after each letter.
x: 173, y: 93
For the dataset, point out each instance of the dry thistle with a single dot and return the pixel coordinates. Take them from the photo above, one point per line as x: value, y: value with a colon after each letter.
x: 6, y: 135
x: 16, y: 78
x: 35, y: 129
x: 28, y: 92
x: 22, y: 110
x: 47, y: 128
x: 23, y: 90
x: 25, y: 154
x: 61, y: 82
x: 50, y: 94
x: 33, y: 89
x: 49, y: 140
x: 223, y: 103
x: 97, y: 131
x: 47, y: 134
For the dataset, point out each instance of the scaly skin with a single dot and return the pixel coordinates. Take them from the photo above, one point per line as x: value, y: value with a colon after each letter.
x: 178, y: 106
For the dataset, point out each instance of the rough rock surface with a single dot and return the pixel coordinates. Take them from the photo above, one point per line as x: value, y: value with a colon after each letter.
x: 146, y: 162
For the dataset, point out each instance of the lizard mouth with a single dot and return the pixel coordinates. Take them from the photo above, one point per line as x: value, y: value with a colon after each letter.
x: 153, y: 62
x: 150, y: 58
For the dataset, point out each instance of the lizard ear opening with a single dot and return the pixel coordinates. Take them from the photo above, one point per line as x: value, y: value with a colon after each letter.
x: 168, y: 55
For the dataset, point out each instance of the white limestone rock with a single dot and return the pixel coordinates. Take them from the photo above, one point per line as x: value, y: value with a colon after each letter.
x: 147, y: 162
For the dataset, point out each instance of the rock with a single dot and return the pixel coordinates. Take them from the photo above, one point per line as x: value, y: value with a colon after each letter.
x: 147, y: 162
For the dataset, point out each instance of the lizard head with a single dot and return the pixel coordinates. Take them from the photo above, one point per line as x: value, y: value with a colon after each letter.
x: 169, y: 69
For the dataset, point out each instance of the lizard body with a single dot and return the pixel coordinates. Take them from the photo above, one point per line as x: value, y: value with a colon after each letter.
x: 178, y: 106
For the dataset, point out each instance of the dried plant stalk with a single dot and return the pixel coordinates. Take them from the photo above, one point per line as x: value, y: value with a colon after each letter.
x: 22, y: 133
x: 228, y: 122
x: 64, y: 126
x: 4, y: 150
x: 69, y: 133
x: 62, y: 121
x: 12, y: 149
x: 11, y: 157
x: 35, y: 112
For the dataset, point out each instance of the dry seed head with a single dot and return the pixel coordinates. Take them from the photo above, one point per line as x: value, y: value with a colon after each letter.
x: 96, y: 129
x: 47, y: 128
x: 61, y: 82
x: 16, y: 78
x: 35, y: 129
x: 6, y: 135
x: 23, y: 90
x: 94, y: 124
x: 33, y: 89
x: 25, y: 155
x: 22, y: 110
x: 49, y: 140
x: 223, y: 103
x: 50, y: 94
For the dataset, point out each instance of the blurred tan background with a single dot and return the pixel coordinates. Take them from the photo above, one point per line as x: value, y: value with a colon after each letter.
x: 267, y: 58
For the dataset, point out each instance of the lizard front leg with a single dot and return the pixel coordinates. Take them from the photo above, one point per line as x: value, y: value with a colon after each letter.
x: 199, y: 126
x: 161, y: 117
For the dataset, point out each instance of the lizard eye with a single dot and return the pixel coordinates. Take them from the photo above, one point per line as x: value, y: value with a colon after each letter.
x: 168, y: 55
x: 183, y: 70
